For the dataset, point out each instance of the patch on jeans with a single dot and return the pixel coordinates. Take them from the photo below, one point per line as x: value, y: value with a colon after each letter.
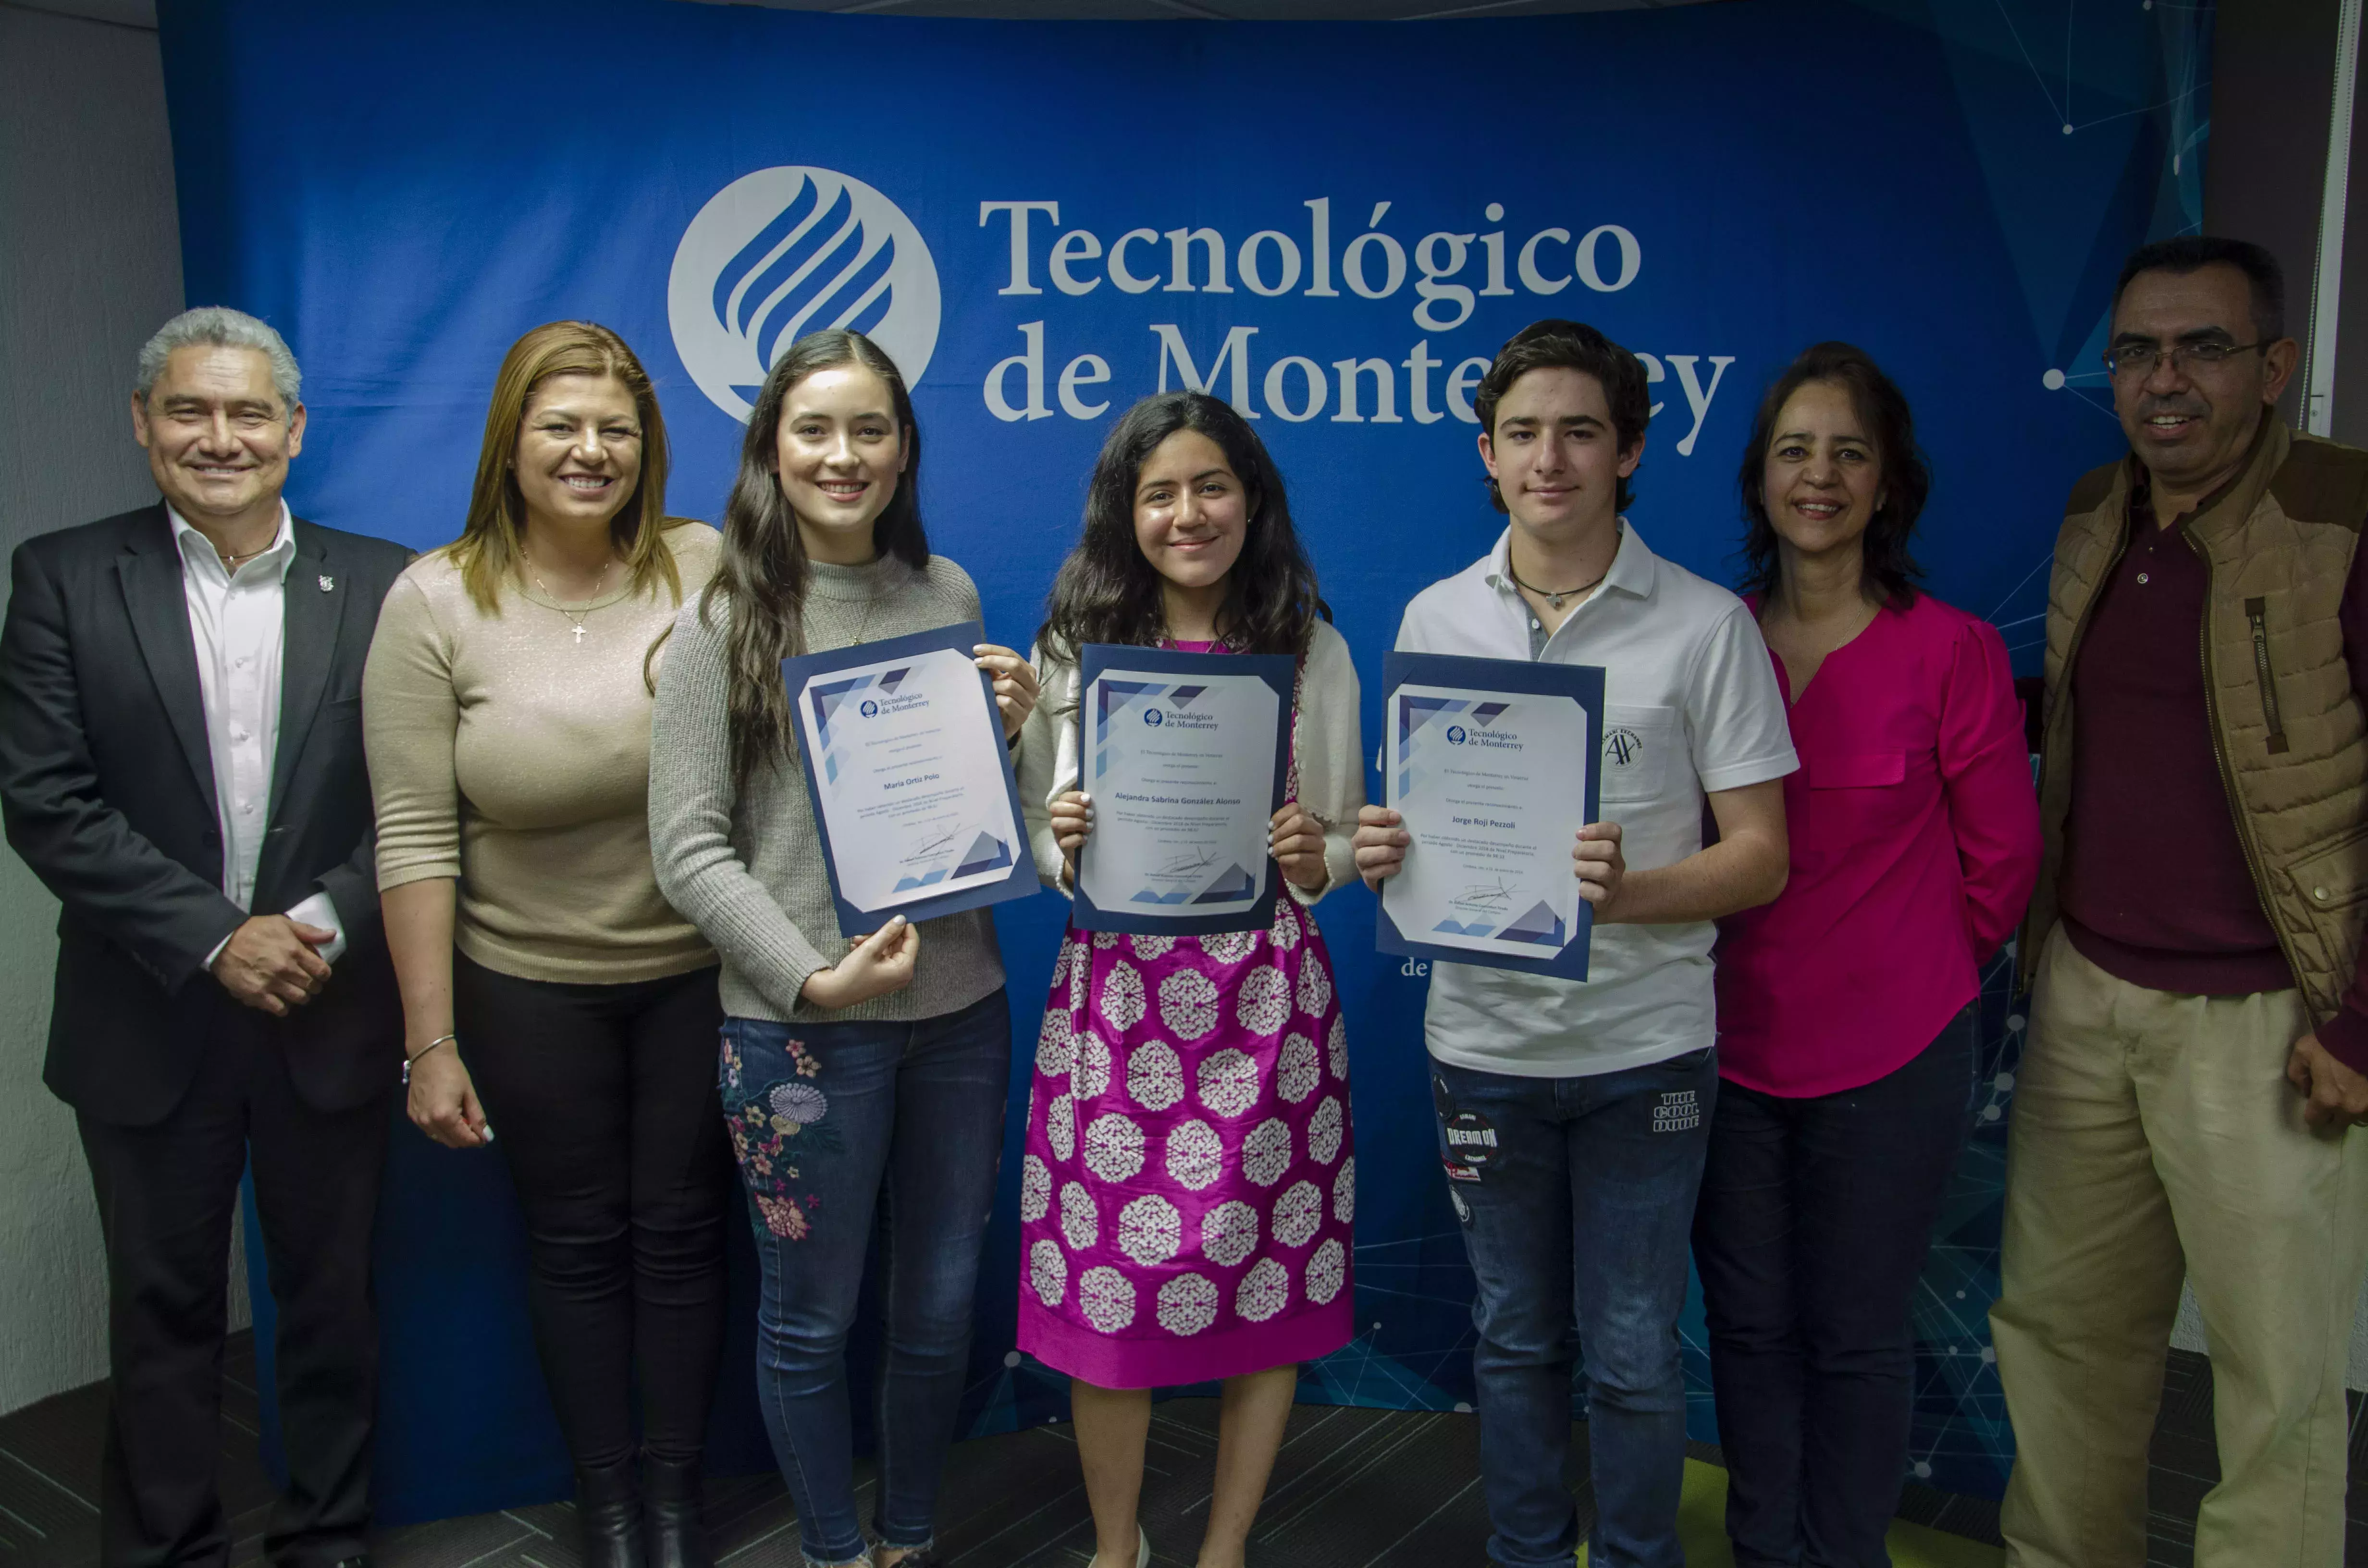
x: 1462, y: 1209
x: 1678, y: 1112
x: 1459, y: 1173
x: 1471, y: 1139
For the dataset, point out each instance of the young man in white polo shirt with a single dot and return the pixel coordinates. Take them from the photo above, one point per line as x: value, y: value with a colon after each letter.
x: 1581, y: 1109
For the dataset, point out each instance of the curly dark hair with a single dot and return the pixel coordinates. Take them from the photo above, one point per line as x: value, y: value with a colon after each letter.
x: 1891, y: 571
x: 764, y: 571
x: 1107, y: 592
x: 1554, y: 344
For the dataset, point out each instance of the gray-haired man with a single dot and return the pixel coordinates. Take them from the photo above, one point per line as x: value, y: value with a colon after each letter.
x: 181, y: 763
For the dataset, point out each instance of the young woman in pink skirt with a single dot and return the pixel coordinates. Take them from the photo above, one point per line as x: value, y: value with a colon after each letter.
x: 1190, y: 1181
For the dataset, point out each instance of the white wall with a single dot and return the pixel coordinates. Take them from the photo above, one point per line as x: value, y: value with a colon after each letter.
x: 90, y: 264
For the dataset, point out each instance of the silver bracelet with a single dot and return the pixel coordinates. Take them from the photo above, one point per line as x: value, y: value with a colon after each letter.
x: 422, y: 1051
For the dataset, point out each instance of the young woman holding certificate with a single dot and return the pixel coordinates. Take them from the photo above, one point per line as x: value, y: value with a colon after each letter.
x: 854, y: 1073
x: 1847, y: 1039
x: 1189, y: 1177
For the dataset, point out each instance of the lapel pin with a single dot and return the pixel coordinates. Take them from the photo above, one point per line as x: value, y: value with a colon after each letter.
x: 327, y: 583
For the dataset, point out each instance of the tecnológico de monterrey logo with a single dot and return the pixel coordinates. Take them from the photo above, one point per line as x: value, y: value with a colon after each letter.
x: 783, y: 252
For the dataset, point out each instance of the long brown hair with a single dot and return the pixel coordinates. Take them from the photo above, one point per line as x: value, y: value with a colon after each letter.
x: 491, y: 546
x: 1107, y: 592
x: 763, y: 575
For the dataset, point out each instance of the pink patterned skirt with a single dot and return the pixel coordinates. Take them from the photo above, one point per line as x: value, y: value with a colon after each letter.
x: 1190, y: 1178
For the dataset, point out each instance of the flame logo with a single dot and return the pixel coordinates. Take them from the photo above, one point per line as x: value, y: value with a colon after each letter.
x: 787, y: 251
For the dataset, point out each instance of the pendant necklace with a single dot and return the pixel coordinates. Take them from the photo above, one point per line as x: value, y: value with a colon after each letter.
x: 575, y: 616
x: 1551, y: 595
x: 232, y: 560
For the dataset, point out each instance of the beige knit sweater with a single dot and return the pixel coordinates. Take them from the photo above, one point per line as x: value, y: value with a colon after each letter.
x: 508, y: 752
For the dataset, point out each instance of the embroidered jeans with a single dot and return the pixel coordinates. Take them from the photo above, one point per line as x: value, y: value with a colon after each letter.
x: 835, y: 1126
x: 1575, y: 1195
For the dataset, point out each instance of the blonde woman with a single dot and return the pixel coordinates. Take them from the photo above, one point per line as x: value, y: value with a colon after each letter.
x: 548, y: 988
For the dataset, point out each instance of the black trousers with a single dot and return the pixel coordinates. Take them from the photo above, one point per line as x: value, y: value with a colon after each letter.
x: 1814, y: 1218
x: 167, y: 1198
x: 603, y: 1099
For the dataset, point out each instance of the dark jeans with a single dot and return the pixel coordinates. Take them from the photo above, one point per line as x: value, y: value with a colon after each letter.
x: 1814, y: 1218
x: 167, y: 1198
x: 602, y: 1098
x: 1574, y: 1194
x: 836, y: 1125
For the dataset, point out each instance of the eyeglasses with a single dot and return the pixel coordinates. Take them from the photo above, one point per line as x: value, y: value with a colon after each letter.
x: 2138, y: 359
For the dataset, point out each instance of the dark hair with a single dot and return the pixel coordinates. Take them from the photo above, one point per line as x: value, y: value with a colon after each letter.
x: 1109, y: 592
x: 1890, y: 570
x: 2191, y: 253
x: 1557, y: 345
x: 762, y: 574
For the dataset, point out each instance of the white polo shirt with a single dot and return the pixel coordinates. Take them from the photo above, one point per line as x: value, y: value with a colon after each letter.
x: 1691, y: 705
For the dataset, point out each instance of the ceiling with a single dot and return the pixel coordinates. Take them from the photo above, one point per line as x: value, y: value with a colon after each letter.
x: 1212, y: 10
x: 128, y: 13
x: 143, y: 13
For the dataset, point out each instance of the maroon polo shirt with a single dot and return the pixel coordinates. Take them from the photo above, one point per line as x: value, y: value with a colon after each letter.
x: 2154, y: 887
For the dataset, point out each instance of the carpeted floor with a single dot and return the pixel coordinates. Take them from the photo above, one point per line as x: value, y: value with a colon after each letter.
x: 1353, y: 1489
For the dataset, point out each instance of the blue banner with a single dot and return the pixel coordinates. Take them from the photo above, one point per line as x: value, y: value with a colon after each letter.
x: 1332, y: 226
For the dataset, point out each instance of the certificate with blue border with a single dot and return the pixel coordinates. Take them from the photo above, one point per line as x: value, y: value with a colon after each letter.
x: 1491, y: 765
x: 909, y: 777
x: 1185, y: 756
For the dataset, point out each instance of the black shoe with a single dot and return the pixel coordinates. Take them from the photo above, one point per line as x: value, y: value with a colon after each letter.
x: 672, y: 1523
x: 609, y: 1506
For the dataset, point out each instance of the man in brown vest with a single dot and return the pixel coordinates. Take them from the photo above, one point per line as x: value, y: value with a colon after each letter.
x: 2198, y: 1044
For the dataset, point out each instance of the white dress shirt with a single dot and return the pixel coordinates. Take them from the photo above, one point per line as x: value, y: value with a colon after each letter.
x: 237, y: 625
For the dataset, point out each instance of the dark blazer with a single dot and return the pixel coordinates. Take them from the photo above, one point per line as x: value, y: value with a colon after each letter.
x: 107, y: 788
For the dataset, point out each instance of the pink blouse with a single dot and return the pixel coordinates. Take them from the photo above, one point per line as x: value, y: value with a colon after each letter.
x: 1915, y: 839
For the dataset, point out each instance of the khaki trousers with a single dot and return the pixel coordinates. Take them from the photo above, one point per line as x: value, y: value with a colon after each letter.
x: 2153, y: 1135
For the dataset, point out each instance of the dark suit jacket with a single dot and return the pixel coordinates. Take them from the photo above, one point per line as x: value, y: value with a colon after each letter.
x: 107, y: 788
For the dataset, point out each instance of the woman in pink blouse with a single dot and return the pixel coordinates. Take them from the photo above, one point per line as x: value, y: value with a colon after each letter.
x: 1847, y: 1008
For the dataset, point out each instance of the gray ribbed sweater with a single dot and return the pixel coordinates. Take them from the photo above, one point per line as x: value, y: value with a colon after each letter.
x: 747, y: 869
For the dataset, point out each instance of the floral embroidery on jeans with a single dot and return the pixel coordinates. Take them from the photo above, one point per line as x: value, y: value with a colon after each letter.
x: 774, y: 1127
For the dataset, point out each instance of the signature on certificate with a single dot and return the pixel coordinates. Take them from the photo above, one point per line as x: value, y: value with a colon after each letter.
x: 1497, y: 894
x: 1189, y: 861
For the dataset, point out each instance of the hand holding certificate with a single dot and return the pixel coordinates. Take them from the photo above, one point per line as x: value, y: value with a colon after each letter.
x: 1490, y: 770
x: 910, y: 779
x: 1183, y: 756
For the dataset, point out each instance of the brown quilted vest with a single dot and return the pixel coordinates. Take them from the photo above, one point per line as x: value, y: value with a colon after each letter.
x: 2292, y: 738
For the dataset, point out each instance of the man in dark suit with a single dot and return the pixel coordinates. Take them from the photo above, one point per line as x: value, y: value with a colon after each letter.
x: 181, y: 763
